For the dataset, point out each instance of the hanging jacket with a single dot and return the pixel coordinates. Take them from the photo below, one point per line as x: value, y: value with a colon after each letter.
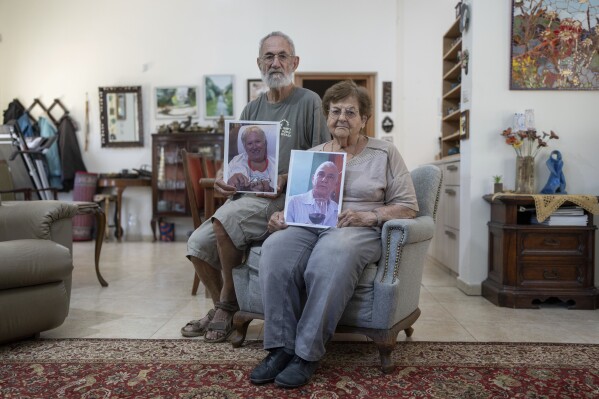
x: 70, y: 153
x: 52, y: 156
x: 14, y: 111
x: 27, y: 128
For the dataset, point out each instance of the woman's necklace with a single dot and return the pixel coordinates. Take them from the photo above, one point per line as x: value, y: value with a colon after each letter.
x: 357, y: 148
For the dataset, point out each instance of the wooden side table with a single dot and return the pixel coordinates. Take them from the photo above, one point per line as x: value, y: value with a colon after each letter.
x: 120, y: 184
x: 530, y: 263
x: 91, y: 208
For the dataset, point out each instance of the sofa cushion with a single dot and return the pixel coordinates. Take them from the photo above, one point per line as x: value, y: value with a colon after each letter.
x: 33, y: 262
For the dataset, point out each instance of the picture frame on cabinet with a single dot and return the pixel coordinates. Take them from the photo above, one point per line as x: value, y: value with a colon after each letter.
x: 464, y: 124
x: 255, y: 88
x: 176, y: 102
x: 560, y: 56
x: 218, y: 96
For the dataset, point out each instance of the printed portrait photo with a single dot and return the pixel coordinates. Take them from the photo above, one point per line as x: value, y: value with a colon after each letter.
x: 314, y: 188
x: 252, y: 156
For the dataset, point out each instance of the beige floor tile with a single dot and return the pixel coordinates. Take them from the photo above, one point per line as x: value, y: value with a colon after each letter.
x: 149, y: 296
x: 441, y: 331
x: 123, y: 327
x: 510, y: 331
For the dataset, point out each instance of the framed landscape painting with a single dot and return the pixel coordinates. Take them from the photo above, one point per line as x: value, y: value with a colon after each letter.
x: 255, y: 88
x: 176, y: 102
x: 554, y: 45
x: 218, y: 96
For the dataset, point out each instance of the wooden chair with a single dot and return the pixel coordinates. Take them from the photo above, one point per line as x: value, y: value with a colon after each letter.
x: 197, y: 168
x: 193, y: 171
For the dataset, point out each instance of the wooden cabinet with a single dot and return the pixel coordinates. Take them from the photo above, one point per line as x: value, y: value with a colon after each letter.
x: 452, y: 90
x: 169, y: 197
x: 444, y: 248
x: 530, y: 264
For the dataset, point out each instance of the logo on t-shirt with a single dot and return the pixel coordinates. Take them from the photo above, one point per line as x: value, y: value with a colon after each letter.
x: 285, y: 128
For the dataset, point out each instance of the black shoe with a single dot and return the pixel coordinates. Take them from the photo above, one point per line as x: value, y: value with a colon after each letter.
x: 297, y: 373
x: 273, y: 364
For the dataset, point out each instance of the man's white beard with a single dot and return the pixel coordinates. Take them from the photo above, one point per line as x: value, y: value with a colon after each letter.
x: 275, y: 81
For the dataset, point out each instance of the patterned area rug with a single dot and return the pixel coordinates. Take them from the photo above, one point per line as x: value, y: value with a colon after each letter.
x: 189, y: 369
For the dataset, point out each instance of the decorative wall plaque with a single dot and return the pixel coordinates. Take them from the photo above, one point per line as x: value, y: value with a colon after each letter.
x: 386, y: 96
x: 387, y: 124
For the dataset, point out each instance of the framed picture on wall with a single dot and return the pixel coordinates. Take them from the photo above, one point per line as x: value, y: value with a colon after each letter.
x: 176, y: 102
x: 554, y: 45
x: 218, y: 96
x: 255, y: 88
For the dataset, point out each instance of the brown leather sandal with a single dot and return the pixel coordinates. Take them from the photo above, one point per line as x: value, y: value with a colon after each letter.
x: 198, y: 328
x: 224, y: 327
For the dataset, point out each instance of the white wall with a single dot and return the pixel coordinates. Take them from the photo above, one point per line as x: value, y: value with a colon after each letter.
x: 421, y: 26
x: 67, y: 48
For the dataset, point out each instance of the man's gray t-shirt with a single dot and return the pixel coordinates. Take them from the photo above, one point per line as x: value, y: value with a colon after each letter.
x: 303, y: 124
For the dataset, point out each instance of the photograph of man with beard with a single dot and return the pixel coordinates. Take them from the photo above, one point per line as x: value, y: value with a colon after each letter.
x: 318, y: 177
x: 253, y: 167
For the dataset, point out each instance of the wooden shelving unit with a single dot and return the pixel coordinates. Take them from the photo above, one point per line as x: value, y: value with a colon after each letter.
x: 452, y: 89
x: 169, y: 198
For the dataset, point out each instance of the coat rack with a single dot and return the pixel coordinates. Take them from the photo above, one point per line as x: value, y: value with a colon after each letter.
x: 48, y: 110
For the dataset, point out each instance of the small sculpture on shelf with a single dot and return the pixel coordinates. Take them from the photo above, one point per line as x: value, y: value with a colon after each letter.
x: 556, y: 183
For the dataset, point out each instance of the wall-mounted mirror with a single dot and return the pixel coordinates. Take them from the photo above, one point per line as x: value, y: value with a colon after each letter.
x: 121, y: 117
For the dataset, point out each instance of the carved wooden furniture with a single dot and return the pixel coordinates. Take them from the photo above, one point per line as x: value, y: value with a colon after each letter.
x: 530, y: 263
x: 169, y: 196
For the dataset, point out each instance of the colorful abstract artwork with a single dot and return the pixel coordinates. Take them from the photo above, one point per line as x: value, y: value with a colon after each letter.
x: 555, y: 45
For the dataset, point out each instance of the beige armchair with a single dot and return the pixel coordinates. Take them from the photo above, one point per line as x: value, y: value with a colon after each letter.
x: 36, y: 265
x: 386, y: 299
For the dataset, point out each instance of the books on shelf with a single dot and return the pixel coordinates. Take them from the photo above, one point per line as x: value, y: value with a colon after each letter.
x: 566, y: 216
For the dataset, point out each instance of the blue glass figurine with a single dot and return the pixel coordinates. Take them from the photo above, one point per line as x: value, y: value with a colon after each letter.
x: 556, y: 184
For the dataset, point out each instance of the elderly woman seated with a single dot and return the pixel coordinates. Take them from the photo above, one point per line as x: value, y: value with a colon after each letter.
x: 308, y: 274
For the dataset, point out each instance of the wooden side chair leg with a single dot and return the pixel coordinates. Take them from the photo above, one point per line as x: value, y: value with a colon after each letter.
x: 196, y: 284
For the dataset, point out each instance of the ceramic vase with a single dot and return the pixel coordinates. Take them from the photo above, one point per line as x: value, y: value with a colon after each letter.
x: 525, y: 175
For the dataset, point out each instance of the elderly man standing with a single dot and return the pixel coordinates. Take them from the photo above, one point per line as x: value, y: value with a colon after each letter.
x: 218, y: 244
x: 316, y: 206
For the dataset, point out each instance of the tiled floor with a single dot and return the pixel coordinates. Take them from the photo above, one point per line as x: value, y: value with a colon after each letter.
x: 149, y: 297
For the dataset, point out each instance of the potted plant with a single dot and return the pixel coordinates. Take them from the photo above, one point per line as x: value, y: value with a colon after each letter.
x: 498, y: 186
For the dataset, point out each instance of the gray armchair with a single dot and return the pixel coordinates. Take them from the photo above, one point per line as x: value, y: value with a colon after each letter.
x: 386, y: 299
x: 35, y: 266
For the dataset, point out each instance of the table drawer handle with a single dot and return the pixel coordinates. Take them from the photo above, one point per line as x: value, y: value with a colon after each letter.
x: 550, y: 274
x: 551, y: 242
x: 450, y: 233
x: 452, y: 167
x: 450, y: 191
